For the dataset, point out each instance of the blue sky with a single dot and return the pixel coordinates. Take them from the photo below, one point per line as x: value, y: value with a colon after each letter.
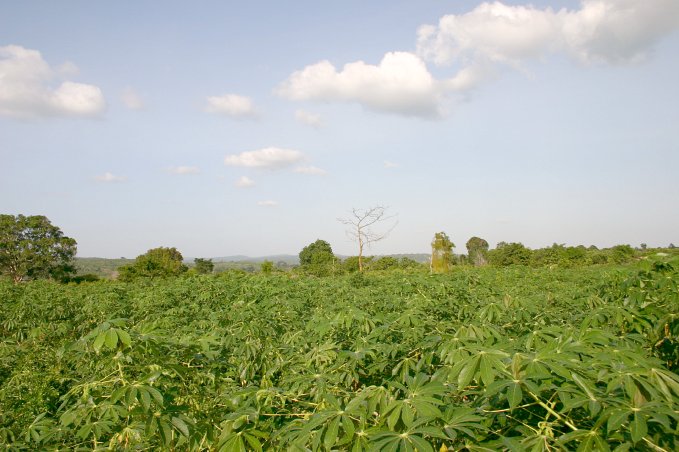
x: 223, y: 128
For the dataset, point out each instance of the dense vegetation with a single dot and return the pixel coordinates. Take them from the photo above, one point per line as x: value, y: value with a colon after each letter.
x: 479, y: 358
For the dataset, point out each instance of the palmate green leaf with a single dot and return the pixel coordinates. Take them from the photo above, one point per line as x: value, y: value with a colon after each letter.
x: 331, y: 432
x: 512, y: 444
x: 180, y: 425
x: 253, y: 440
x: 487, y: 373
x: 638, y: 427
x: 394, y: 414
x: 157, y: 396
x: 667, y: 381
x: 616, y: 418
x: 462, y: 419
x: 514, y: 394
x: 99, y: 341
x: 588, y: 440
x: 68, y: 418
x: 233, y: 444
x: 420, y: 444
x: 468, y: 371
x: 426, y: 406
x: 111, y: 339
x: 131, y: 395
x: 84, y: 431
x: 124, y: 337
x: 593, y: 442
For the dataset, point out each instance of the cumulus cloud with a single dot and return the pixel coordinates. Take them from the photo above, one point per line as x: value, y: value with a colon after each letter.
x: 308, y: 119
x: 476, y: 43
x: 31, y: 88
x: 110, y: 177
x: 311, y: 170
x: 232, y: 105
x: 182, y: 170
x: 267, y: 203
x: 244, y: 182
x: 610, y: 31
x: 388, y: 164
x: 270, y: 157
x: 400, y: 83
x: 132, y: 100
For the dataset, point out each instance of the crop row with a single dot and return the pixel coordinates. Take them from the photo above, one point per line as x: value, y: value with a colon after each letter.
x: 482, y: 359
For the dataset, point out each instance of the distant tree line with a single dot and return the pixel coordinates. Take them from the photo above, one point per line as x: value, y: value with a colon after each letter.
x: 32, y: 248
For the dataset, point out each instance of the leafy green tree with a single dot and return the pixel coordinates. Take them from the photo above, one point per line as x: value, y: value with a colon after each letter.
x: 266, y: 267
x: 203, y: 266
x: 350, y: 264
x: 509, y: 254
x: 155, y: 263
x: 477, y: 251
x: 441, y: 253
x: 406, y: 262
x: 622, y: 253
x: 31, y: 248
x: 385, y: 263
x: 317, y: 258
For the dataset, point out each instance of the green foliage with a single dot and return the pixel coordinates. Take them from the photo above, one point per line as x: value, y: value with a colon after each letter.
x: 621, y: 253
x: 350, y: 264
x: 441, y: 253
x: 31, y: 248
x: 203, y: 266
x: 103, y: 268
x: 509, y: 254
x: 563, y: 256
x: 318, y: 259
x: 155, y: 263
x: 485, y: 358
x: 477, y: 251
x: 385, y: 263
x: 267, y: 267
x: 87, y: 277
x: 408, y: 263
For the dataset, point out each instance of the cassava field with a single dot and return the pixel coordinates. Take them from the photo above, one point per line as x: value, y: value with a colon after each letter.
x: 477, y: 359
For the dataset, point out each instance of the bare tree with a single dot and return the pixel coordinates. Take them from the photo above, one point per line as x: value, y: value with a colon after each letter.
x: 360, y: 227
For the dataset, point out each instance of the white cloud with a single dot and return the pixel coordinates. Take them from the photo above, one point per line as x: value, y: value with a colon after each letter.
x: 601, y: 30
x: 311, y: 170
x: 388, y: 164
x: 618, y: 30
x: 109, y: 177
x: 476, y: 42
x: 400, y: 84
x: 182, y: 170
x: 244, y: 182
x: 271, y: 157
x: 30, y: 88
x: 231, y: 105
x: 267, y: 203
x: 309, y: 119
x: 68, y: 69
x: 132, y: 100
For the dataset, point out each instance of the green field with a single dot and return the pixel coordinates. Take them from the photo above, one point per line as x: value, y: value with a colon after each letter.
x: 512, y: 358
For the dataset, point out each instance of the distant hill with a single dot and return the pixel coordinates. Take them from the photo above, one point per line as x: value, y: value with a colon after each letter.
x: 417, y: 257
x: 102, y: 267
x: 287, y: 258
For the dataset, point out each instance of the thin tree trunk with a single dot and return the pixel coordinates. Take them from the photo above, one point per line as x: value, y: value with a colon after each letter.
x: 360, y: 252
